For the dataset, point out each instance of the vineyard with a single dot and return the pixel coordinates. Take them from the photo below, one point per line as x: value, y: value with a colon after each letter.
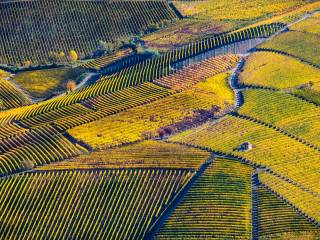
x: 277, y: 218
x: 298, y: 44
x: 147, y: 154
x: 268, y: 69
x: 88, y: 23
x: 57, y: 214
x: 284, y: 111
x: 134, y: 124
x: 205, y: 212
x: 156, y: 119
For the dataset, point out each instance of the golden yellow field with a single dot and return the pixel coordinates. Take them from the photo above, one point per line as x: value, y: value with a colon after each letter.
x: 236, y: 9
x: 146, y: 154
x: 278, y: 71
x: 158, y: 119
x: 131, y: 125
x: 310, y: 25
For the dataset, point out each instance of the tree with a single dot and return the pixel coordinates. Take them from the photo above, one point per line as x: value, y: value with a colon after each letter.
x: 161, y: 132
x: 147, y: 135
x: 61, y: 55
x: 73, y: 56
x: 27, y: 63
x: 70, y: 86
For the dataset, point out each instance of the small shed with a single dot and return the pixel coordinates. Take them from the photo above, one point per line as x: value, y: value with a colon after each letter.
x: 245, y: 147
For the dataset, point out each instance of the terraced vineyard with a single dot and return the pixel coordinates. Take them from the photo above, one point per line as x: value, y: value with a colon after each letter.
x: 148, y: 154
x: 298, y: 44
x: 285, y: 111
x: 108, y: 197
x: 11, y: 97
x: 104, y: 61
x: 197, y: 72
x: 268, y: 69
x: 134, y: 124
x: 304, y: 201
x: 217, y: 207
x: 277, y: 218
x: 272, y: 149
x: 156, y: 119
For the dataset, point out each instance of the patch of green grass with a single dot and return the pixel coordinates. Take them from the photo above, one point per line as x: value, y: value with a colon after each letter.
x: 302, y: 45
x: 42, y: 83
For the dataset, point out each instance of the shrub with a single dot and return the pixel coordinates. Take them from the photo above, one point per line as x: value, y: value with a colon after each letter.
x: 147, y: 135
x: 61, y: 55
x: 71, y: 85
x: 53, y: 57
x: 27, y: 63
x: 73, y: 56
x: 161, y: 132
x: 168, y: 130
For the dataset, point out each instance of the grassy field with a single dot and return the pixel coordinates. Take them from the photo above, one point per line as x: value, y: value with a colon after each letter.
x: 217, y: 206
x: 285, y: 111
x: 298, y: 44
x: 278, y: 71
x: 146, y: 154
x: 130, y: 125
x: 42, y: 83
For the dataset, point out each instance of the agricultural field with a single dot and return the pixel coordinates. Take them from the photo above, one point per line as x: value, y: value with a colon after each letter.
x: 310, y: 25
x: 239, y: 12
x: 183, y: 32
x: 269, y: 69
x: 285, y: 111
x: 143, y: 121
x: 11, y: 96
x: 218, y: 206
x: 43, y: 83
x: 298, y: 44
x: 147, y: 154
x: 156, y: 119
x: 88, y: 23
x: 277, y: 219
